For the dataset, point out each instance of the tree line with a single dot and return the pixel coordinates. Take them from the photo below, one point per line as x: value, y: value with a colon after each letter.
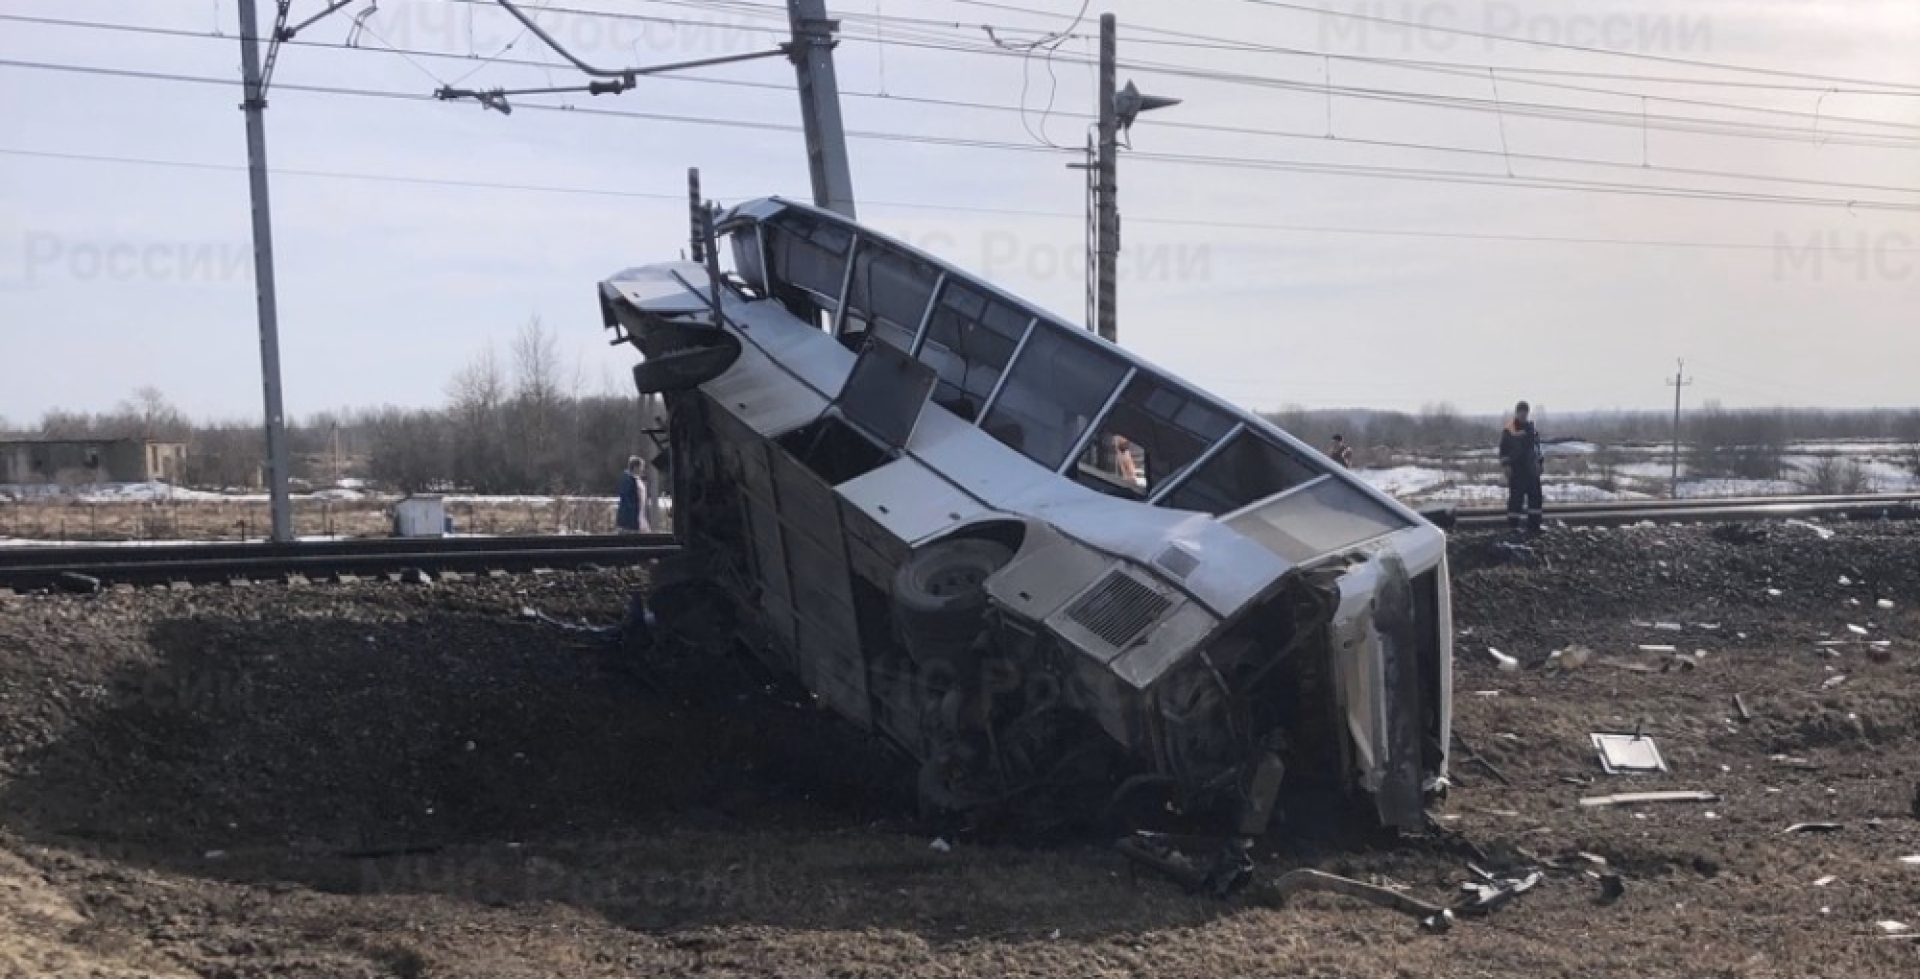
x: 1715, y: 441
x: 513, y: 423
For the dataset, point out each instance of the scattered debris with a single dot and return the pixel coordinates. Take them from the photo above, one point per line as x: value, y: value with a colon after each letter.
x: 1833, y: 681
x: 1629, y: 665
x: 1667, y: 626
x: 1893, y: 927
x: 1856, y: 630
x: 1845, y: 582
x: 1570, y: 658
x: 1634, y: 798
x: 1484, y: 898
x: 1497, y: 892
x: 1229, y: 869
x: 1885, y: 603
x: 1612, y: 887
x: 1628, y: 753
x: 1475, y: 757
x: 1812, y: 828
x: 76, y: 583
x: 1775, y: 592
x: 1683, y: 661
x: 940, y: 845
x: 1823, y: 532
x: 579, y: 627
x: 1913, y: 861
x: 1506, y: 663
x: 1740, y: 704
x: 1824, y: 881
x: 1659, y: 649
x: 1278, y: 891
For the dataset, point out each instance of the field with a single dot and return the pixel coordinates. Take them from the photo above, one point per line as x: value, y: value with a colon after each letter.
x: 211, y: 517
x: 1585, y: 472
x: 418, y: 781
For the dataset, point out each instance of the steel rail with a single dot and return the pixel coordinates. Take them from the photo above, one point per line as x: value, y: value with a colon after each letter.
x: 1884, y: 507
x: 30, y: 568
x: 1709, y: 502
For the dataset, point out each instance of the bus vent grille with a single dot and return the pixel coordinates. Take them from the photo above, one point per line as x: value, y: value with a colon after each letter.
x: 1119, y: 609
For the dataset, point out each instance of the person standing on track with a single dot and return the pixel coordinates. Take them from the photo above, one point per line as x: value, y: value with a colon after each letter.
x: 1340, y: 451
x: 631, y: 514
x: 1522, y: 459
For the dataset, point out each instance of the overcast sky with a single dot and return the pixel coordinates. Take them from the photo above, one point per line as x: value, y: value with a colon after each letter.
x: 1271, y: 286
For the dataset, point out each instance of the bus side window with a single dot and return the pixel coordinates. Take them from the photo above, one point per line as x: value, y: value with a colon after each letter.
x: 1162, y: 431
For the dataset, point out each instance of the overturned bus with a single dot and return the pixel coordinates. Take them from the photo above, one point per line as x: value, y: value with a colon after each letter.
x: 1035, y: 562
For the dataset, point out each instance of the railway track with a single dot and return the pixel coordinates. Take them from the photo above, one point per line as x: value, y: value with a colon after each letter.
x: 91, y: 565
x: 82, y: 567
x: 1724, y: 510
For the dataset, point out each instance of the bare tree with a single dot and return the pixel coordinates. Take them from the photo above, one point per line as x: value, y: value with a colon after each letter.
x: 477, y: 443
x: 535, y: 423
x: 225, y: 455
x: 59, y: 423
x: 1744, y: 444
x: 536, y: 366
x: 149, y: 415
x: 1833, y: 475
x: 411, y: 450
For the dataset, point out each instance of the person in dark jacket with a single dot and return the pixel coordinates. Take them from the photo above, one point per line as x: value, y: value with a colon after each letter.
x: 1522, y: 459
x: 631, y: 514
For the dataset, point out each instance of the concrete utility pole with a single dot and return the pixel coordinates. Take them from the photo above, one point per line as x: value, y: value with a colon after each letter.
x: 1680, y: 380
x: 255, y: 107
x: 812, y: 56
x: 1118, y: 110
x: 1107, y: 187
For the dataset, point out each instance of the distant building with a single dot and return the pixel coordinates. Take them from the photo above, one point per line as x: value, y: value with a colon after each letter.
x: 73, y: 461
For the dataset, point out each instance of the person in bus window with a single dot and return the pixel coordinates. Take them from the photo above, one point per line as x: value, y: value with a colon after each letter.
x: 1123, y: 462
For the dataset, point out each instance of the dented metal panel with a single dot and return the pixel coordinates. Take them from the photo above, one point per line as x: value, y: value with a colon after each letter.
x: 911, y: 501
x: 828, y: 633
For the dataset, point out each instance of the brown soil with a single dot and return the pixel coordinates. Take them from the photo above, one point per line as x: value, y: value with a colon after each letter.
x: 387, y: 780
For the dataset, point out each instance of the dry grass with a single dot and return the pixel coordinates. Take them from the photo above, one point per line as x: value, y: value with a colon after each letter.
x: 60, y: 520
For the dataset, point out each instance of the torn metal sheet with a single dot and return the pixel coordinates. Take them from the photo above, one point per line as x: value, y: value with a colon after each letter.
x: 1626, y: 754
x: 1635, y: 798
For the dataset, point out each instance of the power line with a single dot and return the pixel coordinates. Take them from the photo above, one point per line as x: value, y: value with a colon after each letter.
x: 1695, y: 125
x: 1559, y: 45
x: 1574, y: 114
x: 1197, y: 127
x: 1459, y: 70
x: 927, y: 206
x: 1355, y: 170
x: 1906, y: 89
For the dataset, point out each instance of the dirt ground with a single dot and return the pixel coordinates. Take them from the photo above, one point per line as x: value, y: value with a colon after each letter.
x: 414, y: 781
